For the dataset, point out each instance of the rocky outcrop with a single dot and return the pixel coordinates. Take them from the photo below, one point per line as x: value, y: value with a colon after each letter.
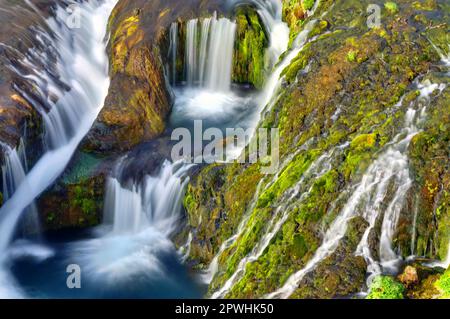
x: 139, y: 100
x: 344, y: 98
x: 76, y: 199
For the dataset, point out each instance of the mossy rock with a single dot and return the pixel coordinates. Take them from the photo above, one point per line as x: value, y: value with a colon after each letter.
x: 385, y: 287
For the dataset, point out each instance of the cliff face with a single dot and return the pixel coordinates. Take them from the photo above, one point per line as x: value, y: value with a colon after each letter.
x: 344, y: 101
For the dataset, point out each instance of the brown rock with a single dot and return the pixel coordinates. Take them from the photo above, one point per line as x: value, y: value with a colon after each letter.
x: 409, y: 277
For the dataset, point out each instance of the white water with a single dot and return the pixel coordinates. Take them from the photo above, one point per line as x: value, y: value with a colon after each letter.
x: 390, y: 167
x: 83, y: 65
x: 14, y: 171
x: 293, y: 196
x: 271, y: 88
x: 210, y: 63
x: 138, y: 220
x: 173, y: 51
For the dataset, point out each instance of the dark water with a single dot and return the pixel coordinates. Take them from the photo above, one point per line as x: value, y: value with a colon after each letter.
x: 47, y: 278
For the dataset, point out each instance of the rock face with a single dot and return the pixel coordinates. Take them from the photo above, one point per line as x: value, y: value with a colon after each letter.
x: 343, y: 99
x: 76, y: 199
x: 139, y: 100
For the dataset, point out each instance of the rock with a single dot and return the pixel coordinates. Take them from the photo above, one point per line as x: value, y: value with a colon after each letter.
x: 76, y: 199
x: 409, y: 277
x: 139, y: 100
x: 18, y: 117
x: 340, y: 274
x: 249, y: 65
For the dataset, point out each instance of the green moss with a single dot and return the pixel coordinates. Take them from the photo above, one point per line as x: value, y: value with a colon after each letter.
x: 51, y: 217
x: 83, y: 199
x: 351, y: 55
x: 443, y: 285
x: 385, y: 287
x: 391, y: 7
x: 250, y: 49
x: 307, y: 4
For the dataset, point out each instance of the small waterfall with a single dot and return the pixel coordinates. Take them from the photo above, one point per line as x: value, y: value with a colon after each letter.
x: 138, y: 218
x: 173, y: 50
x: 191, y: 51
x: 14, y: 171
x: 209, y: 53
x: 278, y: 32
x: 82, y: 65
x: 270, y: 12
x: 156, y: 202
x: 390, y: 167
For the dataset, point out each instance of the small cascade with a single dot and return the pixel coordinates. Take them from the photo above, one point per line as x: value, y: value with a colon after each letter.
x: 367, y: 198
x: 14, y: 171
x: 265, y: 98
x: 270, y: 12
x: 155, y: 202
x: 209, y: 53
x: 139, y: 218
x: 270, y: 92
x: 173, y: 51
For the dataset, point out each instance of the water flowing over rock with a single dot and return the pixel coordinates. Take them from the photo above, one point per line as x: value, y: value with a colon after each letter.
x: 356, y: 207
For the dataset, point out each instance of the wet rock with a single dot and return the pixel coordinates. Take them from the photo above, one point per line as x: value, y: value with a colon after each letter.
x: 249, y: 66
x: 409, y: 276
x: 340, y: 274
x: 76, y: 199
x: 18, y: 117
x: 139, y: 99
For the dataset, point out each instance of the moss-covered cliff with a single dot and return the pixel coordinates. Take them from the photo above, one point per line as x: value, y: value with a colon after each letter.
x: 343, y: 99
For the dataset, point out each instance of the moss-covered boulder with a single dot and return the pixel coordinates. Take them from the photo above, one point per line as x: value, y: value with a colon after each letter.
x: 385, y: 287
x: 76, y: 199
x: 249, y: 63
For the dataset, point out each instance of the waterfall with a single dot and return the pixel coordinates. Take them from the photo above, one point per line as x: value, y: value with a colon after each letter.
x: 156, y: 202
x: 270, y: 12
x: 173, y: 50
x: 14, y: 171
x: 209, y: 53
x: 82, y: 64
x: 191, y: 51
x: 139, y: 218
x: 390, y: 167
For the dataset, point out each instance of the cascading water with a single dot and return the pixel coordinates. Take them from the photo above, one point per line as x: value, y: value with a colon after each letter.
x: 290, y: 198
x: 390, y: 167
x: 209, y: 64
x: 138, y: 220
x: 82, y: 64
x: 173, y: 51
x: 13, y: 174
